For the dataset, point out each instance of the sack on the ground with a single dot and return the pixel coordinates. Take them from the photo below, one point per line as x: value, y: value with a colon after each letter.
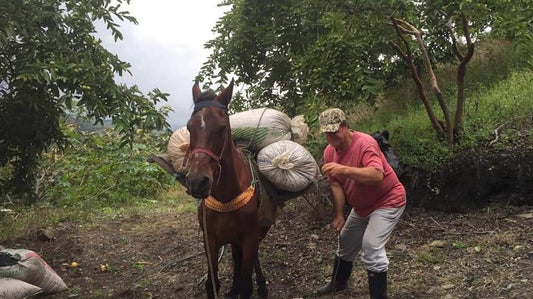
x: 393, y: 160
x: 299, y: 129
x: 258, y: 128
x: 17, y: 289
x: 177, y: 147
x: 287, y: 165
x: 32, y: 269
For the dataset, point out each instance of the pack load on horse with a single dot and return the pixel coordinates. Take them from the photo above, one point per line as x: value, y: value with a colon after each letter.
x: 237, y: 203
x: 272, y: 138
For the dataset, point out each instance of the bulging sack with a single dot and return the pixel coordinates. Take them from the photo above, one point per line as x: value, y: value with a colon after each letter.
x: 177, y: 147
x: 287, y: 165
x: 32, y: 269
x: 258, y: 128
x: 17, y: 289
x: 299, y: 129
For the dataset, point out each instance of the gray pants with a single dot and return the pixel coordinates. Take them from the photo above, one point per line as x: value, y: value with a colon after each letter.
x: 368, y: 235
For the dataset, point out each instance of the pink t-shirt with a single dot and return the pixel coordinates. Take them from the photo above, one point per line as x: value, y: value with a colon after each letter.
x: 365, y: 152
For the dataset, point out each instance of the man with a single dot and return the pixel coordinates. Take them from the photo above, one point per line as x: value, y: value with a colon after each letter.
x: 359, y: 173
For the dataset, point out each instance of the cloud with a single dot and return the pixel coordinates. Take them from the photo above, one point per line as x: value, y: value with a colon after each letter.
x: 166, y: 48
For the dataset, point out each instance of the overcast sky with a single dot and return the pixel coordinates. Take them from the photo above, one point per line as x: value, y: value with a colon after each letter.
x: 166, y: 48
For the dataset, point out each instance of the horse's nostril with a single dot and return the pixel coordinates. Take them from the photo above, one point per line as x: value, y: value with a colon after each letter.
x: 204, y: 183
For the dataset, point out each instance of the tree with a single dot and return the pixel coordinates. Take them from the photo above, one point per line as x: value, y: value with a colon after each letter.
x: 301, y: 55
x: 304, y: 55
x: 50, y: 63
x: 443, y: 22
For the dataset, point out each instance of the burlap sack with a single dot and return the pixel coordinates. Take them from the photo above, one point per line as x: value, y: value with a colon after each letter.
x: 287, y: 165
x: 177, y: 147
x: 32, y: 269
x: 17, y: 289
x: 260, y: 127
x: 299, y: 129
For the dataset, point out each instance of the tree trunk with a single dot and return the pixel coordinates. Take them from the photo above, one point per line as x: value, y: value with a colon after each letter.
x: 461, y: 72
x: 408, y: 58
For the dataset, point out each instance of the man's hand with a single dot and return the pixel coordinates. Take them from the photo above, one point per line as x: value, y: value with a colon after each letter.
x: 338, y: 223
x: 332, y: 168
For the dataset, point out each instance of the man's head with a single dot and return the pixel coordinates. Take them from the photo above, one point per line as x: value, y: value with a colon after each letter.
x: 333, y: 124
x: 331, y: 119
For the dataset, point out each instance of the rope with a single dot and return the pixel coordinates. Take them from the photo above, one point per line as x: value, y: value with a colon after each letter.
x: 256, y: 128
x: 209, y: 259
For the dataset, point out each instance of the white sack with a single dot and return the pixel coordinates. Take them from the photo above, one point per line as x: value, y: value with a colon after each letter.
x: 287, y: 165
x: 299, y: 129
x: 260, y: 127
x: 177, y: 148
x: 32, y: 269
x: 17, y: 289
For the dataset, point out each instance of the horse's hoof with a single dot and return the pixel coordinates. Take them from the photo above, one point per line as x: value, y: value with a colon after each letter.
x: 262, y: 292
x: 232, y: 294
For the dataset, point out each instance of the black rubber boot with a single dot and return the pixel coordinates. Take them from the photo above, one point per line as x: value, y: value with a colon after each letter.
x: 339, y: 278
x: 377, y: 284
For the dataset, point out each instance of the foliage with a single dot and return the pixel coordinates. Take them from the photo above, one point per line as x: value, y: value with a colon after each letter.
x: 99, y: 172
x: 504, y: 106
x: 51, y: 62
x: 301, y: 56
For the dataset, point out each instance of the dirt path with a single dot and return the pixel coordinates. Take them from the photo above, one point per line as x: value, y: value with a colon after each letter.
x: 486, y: 253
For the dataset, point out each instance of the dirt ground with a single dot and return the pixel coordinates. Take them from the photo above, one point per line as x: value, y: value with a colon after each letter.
x: 482, y: 253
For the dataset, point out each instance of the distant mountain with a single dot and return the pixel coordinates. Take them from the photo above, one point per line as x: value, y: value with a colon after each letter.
x: 88, y: 126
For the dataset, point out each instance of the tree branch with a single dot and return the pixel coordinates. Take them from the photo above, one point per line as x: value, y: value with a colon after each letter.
x: 454, y: 40
x: 461, y: 74
x: 408, y: 57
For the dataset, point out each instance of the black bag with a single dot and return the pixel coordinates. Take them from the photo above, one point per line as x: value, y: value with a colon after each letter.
x: 386, y: 148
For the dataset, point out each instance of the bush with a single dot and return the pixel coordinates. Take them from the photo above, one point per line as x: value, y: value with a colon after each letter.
x: 95, y: 171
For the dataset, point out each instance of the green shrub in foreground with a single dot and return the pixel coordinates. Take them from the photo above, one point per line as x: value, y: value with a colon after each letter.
x: 96, y: 172
x: 505, y: 106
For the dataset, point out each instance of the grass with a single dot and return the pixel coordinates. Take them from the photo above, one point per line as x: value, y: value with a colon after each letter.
x: 27, y: 219
x: 503, y: 106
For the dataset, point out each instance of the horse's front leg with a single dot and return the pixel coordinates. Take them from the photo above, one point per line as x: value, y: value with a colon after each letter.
x: 249, y: 256
x: 236, y: 253
x: 212, y: 263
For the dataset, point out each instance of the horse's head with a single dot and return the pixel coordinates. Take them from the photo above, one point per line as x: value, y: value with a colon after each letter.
x: 209, y: 130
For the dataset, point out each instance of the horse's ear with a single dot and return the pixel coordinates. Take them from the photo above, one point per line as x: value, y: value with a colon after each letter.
x: 196, y: 92
x: 225, y: 96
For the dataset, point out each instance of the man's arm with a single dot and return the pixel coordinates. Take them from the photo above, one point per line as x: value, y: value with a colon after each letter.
x: 362, y: 175
x: 338, y: 205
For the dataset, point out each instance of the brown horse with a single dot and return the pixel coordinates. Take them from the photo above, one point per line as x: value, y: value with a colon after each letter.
x: 221, y: 176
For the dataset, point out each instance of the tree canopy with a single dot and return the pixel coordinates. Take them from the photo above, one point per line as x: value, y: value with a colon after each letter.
x: 52, y: 62
x: 303, y: 55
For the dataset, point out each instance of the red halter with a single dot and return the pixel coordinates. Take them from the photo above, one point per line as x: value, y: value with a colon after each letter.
x: 203, y: 150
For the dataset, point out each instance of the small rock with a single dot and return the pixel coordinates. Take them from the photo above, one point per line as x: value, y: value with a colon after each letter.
x: 401, y: 247
x: 448, y: 286
x: 518, y: 247
x: 46, y: 234
x: 437, y: 243
x: 525, y: 216
x: 315, y: 237
x: 436, y: 268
